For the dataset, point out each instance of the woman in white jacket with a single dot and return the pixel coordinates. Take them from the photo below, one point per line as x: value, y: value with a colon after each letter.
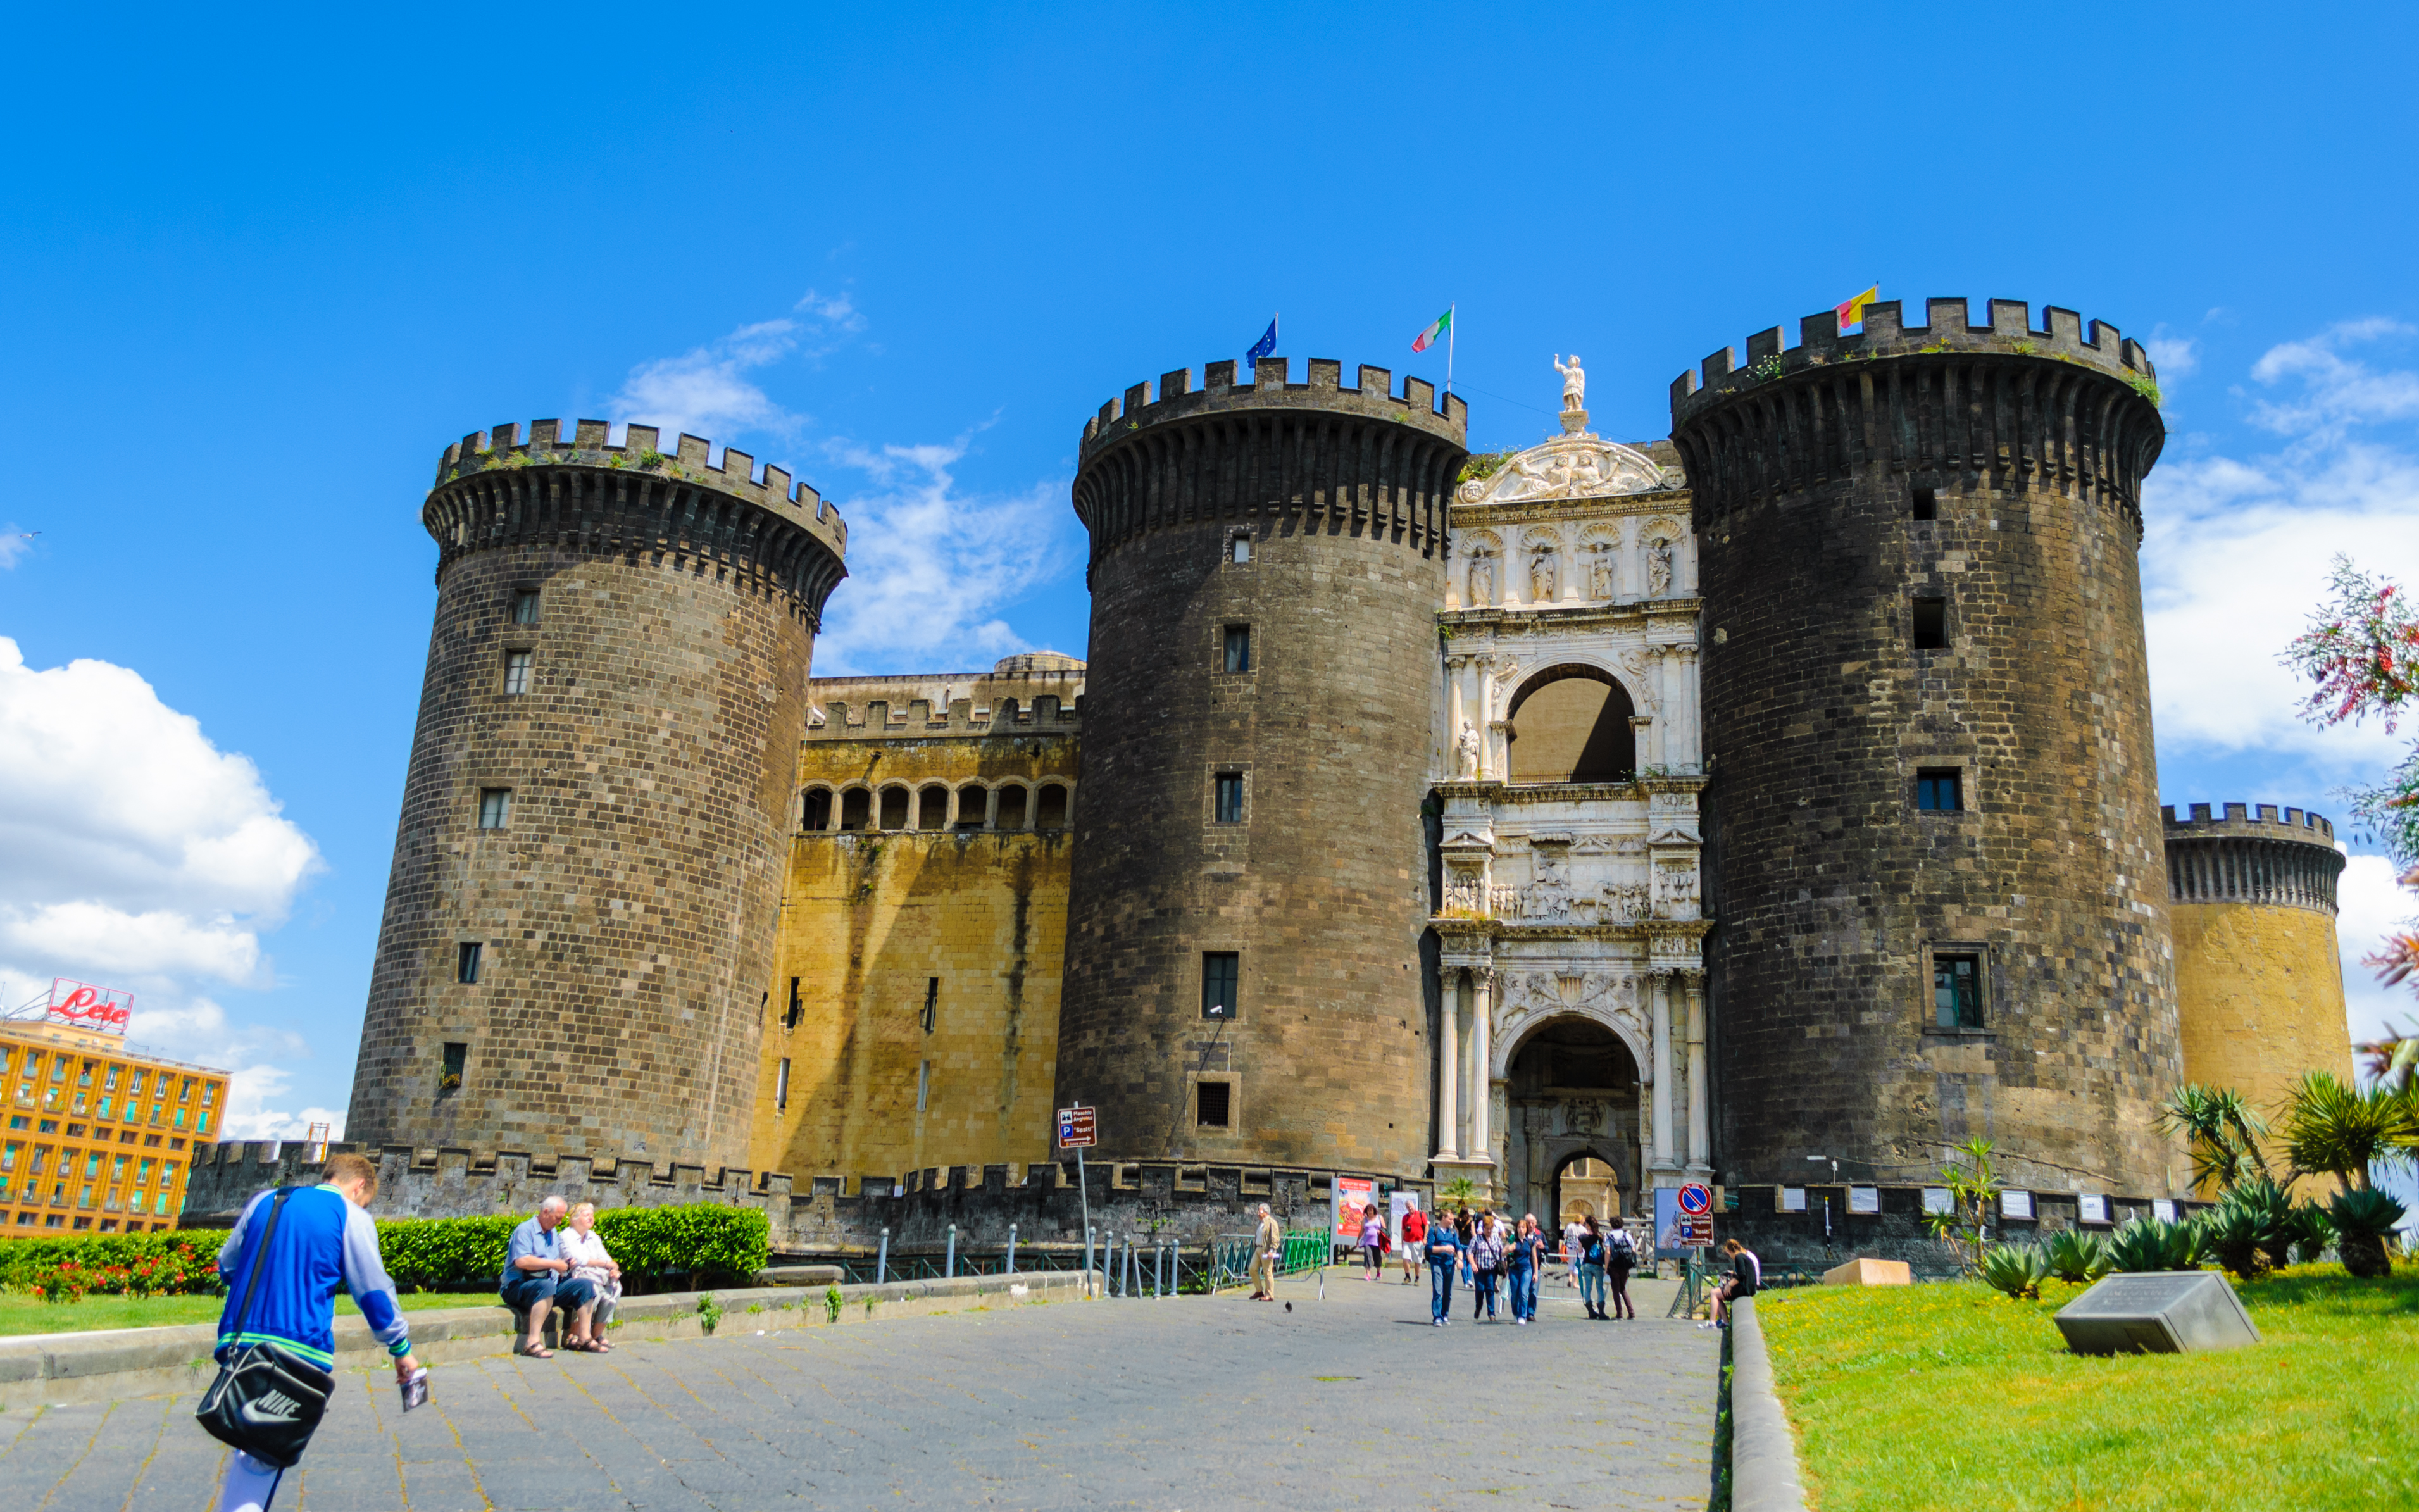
x: 590, y: 1262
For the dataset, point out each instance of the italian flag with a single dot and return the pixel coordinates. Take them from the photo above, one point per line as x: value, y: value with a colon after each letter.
x: 1434, y: 333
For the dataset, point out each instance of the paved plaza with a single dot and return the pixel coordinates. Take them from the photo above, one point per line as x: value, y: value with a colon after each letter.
x: 1185, y: 1403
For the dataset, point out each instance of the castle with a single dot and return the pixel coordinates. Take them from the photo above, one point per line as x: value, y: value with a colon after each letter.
x: 1773, y: 805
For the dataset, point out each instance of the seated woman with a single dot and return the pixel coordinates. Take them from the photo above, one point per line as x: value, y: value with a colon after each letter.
x: 592, y: 1263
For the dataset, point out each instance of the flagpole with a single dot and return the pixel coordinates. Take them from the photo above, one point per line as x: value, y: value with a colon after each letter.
x: 1452, y: 320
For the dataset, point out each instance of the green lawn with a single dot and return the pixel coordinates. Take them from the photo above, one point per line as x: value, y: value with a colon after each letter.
x: 24, y: 1313
x: 1953, y: 1397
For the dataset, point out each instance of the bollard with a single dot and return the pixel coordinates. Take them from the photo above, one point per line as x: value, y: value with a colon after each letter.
x: 1117, y: 1278
x: 1133, y: 1269
x: 881, y: 1266
x: 949, y: 1266
x: 1156, y: 1289
x: 1089, y: 1232
x: 1011, y: 1249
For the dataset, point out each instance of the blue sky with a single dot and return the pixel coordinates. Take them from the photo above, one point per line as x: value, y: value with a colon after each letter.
x: 265, y: 267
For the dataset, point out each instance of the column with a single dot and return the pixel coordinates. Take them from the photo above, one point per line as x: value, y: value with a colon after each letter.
x: 1701, y: 1143
x: 1482, y: 713
x: 1453, y: 672
x: 1482, y: 1083
x: 991, y: 808
x: 1449, y: 1068
x: 1663, y: 1146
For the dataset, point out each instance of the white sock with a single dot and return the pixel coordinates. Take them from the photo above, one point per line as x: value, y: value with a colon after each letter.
x: 249, y: 1483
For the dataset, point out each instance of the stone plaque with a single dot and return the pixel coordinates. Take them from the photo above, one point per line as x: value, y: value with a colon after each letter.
x: 2093, y: 1208
x: 2157, y: 1311
x: 2016, y: 1205
x: 1864, y: 1199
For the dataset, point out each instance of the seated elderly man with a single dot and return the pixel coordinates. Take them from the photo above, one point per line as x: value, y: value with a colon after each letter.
x: 537, y: 1278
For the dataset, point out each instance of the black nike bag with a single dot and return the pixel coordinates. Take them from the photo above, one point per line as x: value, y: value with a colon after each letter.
x: 266, y: 1401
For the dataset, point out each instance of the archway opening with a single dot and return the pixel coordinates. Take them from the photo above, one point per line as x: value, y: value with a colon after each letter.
x: 1570, y: 723
x: 1585, y: 1186
x: 1572, y: 1096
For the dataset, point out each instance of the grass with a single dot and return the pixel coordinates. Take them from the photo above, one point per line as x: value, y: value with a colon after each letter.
x: 1953, y: 1396
x: 21, y: 1312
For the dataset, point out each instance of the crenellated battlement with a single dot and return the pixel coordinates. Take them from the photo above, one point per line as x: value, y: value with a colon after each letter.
x: 1177, y: 398
x: 586, y: 443
x: 1947, y: 327
x: 1044, y: 714
x: 2259, y: 822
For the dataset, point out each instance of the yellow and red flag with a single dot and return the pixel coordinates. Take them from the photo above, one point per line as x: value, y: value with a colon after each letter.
x: 1852, y: 311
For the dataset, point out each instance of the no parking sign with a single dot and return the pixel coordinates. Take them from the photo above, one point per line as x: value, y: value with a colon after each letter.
x: 1696, y: 1223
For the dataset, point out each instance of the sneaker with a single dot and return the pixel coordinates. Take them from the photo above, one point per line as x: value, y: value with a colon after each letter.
x: 1702, y: 1327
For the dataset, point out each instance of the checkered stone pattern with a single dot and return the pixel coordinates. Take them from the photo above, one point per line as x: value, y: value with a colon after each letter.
x: 1833, y: 890
x: 625, y: 910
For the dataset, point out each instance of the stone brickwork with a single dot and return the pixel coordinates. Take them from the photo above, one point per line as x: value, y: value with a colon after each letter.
x: 915, y: 1018
x: 1319, y: 885
x: 624, y: 902
x: 1814, y: 468
x: 2258, y: 976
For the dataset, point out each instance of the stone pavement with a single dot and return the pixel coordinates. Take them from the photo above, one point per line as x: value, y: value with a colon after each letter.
x: 1184, y: 1403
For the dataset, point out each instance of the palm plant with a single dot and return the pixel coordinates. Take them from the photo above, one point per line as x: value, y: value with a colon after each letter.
x: 1973, y: 1184
x: 2363, y: 1218
x: 2017, y: 1270
x: 2312, y: 1231
x: 2075, y: 1256
x: 2156, y: 1245
x: 2269, y: 1209
x: 2223, y: 1131
x: 2232, y: 1233
x: 2338, y: 1130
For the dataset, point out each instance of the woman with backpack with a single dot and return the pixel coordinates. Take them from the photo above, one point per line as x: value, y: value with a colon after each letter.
x: 1592, y: 1256
x: 1521, y: 1262
x: 1485, y: 1268
x: 1621, y: 1257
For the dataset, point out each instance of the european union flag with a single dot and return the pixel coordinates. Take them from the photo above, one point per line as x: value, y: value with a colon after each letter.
x: 1266, y: 345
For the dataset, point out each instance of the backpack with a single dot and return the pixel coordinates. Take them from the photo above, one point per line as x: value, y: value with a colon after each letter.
x: 1625, y: 1249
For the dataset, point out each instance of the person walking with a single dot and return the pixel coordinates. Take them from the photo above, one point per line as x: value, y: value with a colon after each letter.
x: 1485, y: 1268
x: 282, y: 1270
x: 1465, y: 1230
x: 1574, y: 1236
x: 1266, y: 1241
x: 1443, y: 1256
x: 1521, y: 1263
x: 1415, y: 1242
x: 1373, y: 1243
x: 1621, y: 1257
x: 1591, y: 1270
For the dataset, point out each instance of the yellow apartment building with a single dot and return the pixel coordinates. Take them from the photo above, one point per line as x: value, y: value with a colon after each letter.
x: 99, y: 1140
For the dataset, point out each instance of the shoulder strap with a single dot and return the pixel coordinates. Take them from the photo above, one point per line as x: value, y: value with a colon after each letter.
x: 260, y: 1255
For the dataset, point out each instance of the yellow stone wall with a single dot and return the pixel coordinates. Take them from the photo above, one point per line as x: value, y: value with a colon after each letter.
x: 873, y: 922
x: 2259, y: 989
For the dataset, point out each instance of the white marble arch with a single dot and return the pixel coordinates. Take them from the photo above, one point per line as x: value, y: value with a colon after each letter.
x: 1519, y: 1026
x: 1529, y: 678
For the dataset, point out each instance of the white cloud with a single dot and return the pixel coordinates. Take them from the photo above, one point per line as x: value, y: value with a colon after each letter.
x: 2372, y: 904
x: 928, y: 566
x: 14, y: 543
x: 706, y: 391
x: 2336, y: 390
x: 140, y: 855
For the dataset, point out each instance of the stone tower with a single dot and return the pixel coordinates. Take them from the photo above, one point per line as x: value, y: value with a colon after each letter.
x: 2258, y: 979
x: 1267, y: 564
x: 1935, y: 843
x: 579, y: 919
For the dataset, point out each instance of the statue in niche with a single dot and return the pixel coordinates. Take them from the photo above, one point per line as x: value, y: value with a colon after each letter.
x: 1468, y: 746
x: 1574, y: 382
x: 1601, y: 573
x: 1541, y: 577
x: 1482, y: 579
x: 1659, y: 569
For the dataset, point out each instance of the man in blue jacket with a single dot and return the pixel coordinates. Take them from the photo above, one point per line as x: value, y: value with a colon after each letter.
x: 325, y: 1238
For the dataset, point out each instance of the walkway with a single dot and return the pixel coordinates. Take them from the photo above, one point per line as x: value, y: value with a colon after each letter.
x: 1186, y: 1403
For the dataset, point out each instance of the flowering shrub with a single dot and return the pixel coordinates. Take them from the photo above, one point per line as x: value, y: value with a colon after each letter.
x: 129, y: 1265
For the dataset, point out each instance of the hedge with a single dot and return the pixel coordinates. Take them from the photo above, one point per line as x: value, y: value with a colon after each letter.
x: 703, y: 1243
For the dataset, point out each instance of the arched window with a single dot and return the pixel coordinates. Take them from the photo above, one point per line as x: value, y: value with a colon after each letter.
x: 816, y: 816
x: 1570, y: 723
x: 1050, y: 808
x: 971, y: 800
x: 855, y: 808
x: 894, y: 807
x: 1011, y: 806
x: 932, y: 808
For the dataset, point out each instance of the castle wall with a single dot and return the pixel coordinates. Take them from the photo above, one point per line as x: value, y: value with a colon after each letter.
x: 1838, y: 898
x: 968, y: 918
x: 1321, y: 886
x: 623, y: 907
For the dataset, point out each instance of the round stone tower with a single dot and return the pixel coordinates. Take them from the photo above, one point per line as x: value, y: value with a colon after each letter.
x: 582, y: 907
x: 2259, y: 979
x: 1268, y: 560
x: 1934, y: 836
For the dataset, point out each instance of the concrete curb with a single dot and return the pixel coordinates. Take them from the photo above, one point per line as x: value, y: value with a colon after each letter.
x: 1763, y: 1455
x: 110, y: 1365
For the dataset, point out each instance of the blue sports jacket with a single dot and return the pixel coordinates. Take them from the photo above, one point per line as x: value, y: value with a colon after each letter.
x: 322, y: 1240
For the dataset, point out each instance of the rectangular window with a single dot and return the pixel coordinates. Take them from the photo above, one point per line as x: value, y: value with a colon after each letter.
x: 923, y: 1083
x: 1940, y: 790
x: 1239, y: 648
x: 1926, y: 504
x: 1957, y: 991
x: 781, y: 1084
x: 1230, y: 798
x: 931, y: 1002
x: 517, y: 671
x: 1214, y: 1105
x: 1219, y: 970
x: 201, y: 1123
x: 524, y: 605
x: 495, y: 807
x: 466, y: 963
x: 797, y: 1010
x: 457, y: 1059
x: 1931, y: 624
x: 1241, y: 548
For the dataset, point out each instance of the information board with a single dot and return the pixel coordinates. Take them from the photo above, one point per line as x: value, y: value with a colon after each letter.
x: 1077, y: 1128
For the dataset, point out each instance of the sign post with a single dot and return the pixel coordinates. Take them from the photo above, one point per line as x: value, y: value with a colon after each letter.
x: 1078, y: 1130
